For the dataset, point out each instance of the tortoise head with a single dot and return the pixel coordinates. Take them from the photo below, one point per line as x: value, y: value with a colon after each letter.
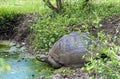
x: 43, y: 58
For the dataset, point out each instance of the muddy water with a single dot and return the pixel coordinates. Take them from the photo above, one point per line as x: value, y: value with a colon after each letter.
x: 16, y: 66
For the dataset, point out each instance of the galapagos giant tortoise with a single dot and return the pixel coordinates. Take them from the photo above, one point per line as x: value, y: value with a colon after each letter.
x: 68, y: 50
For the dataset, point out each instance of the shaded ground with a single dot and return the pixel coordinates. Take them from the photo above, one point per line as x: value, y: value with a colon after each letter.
x: 22, y: 30
x: 76, y: 75
x: 16, y: 28
x: 110, y: 26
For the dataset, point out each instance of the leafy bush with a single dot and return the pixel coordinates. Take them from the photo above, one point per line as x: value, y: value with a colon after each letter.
x: 51, y: 26
x: 48, y: 30
x: 7, y: 21
x: 107, y: 67
x: 8, y: 24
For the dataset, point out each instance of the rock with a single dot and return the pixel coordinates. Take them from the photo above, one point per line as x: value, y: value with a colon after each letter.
x: 13, y: 43
x: 23, y: 44
x: 12, y: 50
x: 22, y: 49
x: 18, y: 45
x: 58, y: 76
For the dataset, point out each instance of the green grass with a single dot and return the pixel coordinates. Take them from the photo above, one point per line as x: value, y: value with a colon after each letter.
x: 21, y: 6
x: 29, y: 6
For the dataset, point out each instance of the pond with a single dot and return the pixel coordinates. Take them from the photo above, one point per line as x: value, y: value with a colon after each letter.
x: 17, y: 65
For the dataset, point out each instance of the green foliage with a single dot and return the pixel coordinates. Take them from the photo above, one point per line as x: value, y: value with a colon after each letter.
x: 7, y: 21
x: 3, y: 66
x: 64, y: 70
x: 50, y: 27
x: 105, y: 68
x: 21, y: 6
x: 48, y: 30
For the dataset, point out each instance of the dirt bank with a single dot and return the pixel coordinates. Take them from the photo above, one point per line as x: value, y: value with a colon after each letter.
x: 17, y: 27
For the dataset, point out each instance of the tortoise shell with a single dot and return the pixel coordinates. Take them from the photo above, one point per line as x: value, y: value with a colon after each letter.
x: 70, y: 49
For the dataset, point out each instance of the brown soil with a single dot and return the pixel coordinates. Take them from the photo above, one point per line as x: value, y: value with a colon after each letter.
x: 18, y: 29
x: 78, y: 74
x: 110, y: 26
x: 22, y: 30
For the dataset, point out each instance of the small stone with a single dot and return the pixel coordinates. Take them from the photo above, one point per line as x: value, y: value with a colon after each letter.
x: 13, y: 43
x: 13, y: 50
x: 22, y: 49
x: 23, y: 44
x: 57, y: 76
x: 18, y: 45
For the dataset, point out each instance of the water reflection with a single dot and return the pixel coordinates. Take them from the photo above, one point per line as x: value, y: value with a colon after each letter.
x: 18, y: 70
x: 20, y: 66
